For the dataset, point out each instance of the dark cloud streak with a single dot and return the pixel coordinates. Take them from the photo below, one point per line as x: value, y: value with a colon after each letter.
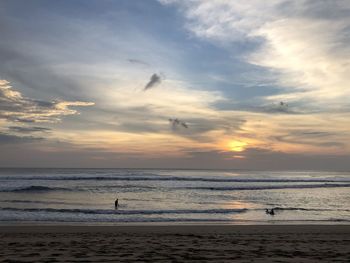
x: 11, y: 139
x: 22, y: 129
x: 137, y: 61
x: 309, y: 137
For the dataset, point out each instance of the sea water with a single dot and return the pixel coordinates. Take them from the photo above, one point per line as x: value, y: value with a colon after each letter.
x: 173, y: 196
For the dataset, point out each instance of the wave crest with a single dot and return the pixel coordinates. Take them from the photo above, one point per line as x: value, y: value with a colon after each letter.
x: 34, y: 188
x: 127, y: 212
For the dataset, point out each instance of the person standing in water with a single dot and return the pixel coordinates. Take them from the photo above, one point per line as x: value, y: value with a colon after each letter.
x: 270, y: 212
x: 116, y: 204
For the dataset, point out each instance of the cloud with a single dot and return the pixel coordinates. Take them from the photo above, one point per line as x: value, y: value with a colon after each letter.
x: 11, y: 139
x: 53, y: 62
x: 273, y: 108
x: 138, y: 61
x: 16, y: 108
x: 310, y: 137
x: 276, y: 160
x: 149, y: 113
x: 154, y: 81
x: 305, y: 44
x: 21, y: 129
x: 304, y: 49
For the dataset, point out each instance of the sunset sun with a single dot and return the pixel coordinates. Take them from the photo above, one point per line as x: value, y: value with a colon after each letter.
x: 237, y: 146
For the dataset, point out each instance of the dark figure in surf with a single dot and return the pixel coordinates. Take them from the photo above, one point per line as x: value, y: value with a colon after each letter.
x: 116, y: 204
x: 270, y: 212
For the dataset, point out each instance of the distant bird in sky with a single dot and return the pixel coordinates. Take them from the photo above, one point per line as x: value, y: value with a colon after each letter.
x: 283, y: 104
x: 154, y: 81
x: 176, y: 122
x: 184, y: 125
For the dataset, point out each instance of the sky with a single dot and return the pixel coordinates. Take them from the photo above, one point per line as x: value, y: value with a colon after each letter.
x: 212, y: 84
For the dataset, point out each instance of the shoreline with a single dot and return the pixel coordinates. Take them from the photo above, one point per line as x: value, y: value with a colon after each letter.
x: 176, y: 228
x: 176, y: 223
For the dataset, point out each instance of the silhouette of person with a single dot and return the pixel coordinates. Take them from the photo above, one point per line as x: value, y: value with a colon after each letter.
x: 270, y: 212
x: 116, y: 204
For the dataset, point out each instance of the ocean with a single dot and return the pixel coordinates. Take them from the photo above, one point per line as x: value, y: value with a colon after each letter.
x: 173, y: 196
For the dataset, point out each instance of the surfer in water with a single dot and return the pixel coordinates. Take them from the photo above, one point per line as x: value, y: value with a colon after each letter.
x: 270, y: 212
x: 116, y: 204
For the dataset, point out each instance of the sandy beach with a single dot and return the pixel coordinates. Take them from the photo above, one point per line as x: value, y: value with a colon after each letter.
x: 175, y: 243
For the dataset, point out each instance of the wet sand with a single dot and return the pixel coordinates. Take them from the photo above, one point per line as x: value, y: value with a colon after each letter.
x: 182, y: 243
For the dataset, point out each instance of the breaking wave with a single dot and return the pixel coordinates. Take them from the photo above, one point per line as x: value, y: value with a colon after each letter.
x: 126, y: 212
